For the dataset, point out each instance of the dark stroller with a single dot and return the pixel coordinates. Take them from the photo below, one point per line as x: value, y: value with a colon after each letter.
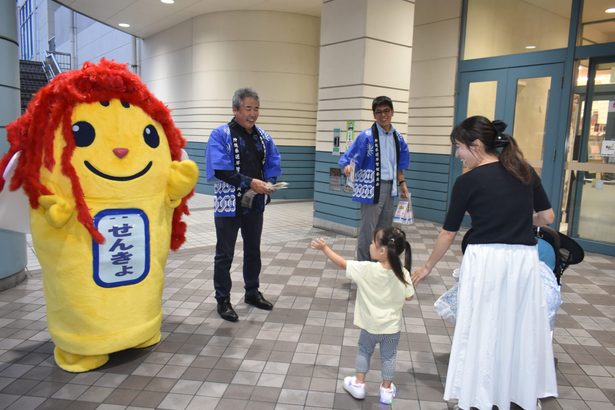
x: 566, y: 251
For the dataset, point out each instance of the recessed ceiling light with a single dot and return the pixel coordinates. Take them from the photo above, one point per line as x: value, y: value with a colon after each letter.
x: 124, y: 25
x: 530, y: 47
x: 167, y: 1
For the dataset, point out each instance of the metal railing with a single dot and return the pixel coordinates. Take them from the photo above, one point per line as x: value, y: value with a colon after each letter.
x: 56, y: 62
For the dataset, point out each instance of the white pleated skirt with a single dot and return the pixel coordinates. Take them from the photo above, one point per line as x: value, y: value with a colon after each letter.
x: 502, y: 350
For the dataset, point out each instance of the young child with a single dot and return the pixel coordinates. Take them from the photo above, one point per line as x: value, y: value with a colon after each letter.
x: 382, y: 288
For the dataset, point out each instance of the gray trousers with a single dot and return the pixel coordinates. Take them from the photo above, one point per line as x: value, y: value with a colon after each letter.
x: 374, y: 216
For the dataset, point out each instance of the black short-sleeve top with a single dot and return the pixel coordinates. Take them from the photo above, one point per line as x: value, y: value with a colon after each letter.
x: 500, y: 205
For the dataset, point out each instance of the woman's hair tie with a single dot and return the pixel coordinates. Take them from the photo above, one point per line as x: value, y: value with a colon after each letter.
x: 501, y: 139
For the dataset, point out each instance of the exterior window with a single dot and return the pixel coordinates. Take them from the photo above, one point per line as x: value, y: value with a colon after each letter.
x: 598, y: 25
x: 27, y: 33
x: 590, y: 163
x: 498, y: 28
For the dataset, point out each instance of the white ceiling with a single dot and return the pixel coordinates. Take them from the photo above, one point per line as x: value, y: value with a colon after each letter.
x: 148, y: 17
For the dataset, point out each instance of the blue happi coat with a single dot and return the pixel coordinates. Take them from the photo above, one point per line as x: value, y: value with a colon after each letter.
x: 365, y: 151
x: 223, y: 155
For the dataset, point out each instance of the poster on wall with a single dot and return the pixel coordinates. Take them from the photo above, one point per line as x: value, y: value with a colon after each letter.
x: 608, y: 148
x: 349, y: 134
x: 336, y: 141
x: 335, y: 179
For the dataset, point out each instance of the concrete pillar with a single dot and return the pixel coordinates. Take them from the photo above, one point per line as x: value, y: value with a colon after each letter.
x: 365, y: 51
x: 12, y: 245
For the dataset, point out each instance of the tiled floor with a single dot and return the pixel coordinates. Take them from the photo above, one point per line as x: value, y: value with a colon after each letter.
x: 294, y: 356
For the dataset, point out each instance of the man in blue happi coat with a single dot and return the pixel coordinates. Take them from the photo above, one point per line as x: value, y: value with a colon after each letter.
x: 379, y: 155
x: 243, y: 162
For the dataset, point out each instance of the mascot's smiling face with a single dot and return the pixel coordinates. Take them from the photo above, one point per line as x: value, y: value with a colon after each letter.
x: 120, y: 151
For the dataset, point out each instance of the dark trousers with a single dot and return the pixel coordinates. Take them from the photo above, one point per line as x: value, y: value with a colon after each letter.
x: 251, y: 226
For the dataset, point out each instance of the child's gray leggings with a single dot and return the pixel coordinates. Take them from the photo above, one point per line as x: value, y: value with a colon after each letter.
x: 388, y: 352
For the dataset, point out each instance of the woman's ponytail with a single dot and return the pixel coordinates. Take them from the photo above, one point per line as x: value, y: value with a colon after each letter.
x: 509, y: 153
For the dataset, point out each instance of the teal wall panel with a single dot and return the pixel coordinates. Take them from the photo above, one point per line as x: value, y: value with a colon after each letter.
x: 429, y: 167
x: 335, y: 218
x: 297, y: 170
x: 428, y: 181
x: 427, y: 176
x: 430, y: 185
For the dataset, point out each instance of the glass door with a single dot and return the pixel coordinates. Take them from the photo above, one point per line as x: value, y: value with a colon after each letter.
x: 526, y: 98
x: 589, y: 184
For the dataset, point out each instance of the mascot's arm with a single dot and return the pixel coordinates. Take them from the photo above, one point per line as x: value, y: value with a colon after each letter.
x: 182, y: 179
x: 57, y: 210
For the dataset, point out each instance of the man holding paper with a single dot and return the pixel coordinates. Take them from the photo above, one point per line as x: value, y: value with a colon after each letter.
x: 244, y: 163
x: 378, y: 156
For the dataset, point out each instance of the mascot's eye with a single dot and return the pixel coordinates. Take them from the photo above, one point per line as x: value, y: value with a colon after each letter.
x: 104, y: 103
x: 125, y: 104
x: 150, y: 135
x: 84, y: 133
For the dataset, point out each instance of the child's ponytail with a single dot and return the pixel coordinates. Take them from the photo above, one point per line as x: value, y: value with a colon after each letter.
x: 395, y: 241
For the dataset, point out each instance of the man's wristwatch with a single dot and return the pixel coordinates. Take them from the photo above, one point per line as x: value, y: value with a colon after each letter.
x: 401, y: 182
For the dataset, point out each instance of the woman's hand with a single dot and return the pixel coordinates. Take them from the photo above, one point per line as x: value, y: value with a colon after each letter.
x: 419, y: 274
x: 444, y: 241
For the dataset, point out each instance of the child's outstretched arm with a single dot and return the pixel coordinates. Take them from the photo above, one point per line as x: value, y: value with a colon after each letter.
x: 321, y: 245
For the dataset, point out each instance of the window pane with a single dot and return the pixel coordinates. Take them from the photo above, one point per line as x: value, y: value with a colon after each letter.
x: 531, y: 116
x: 481, y: 98
x: 598, y: 26
x: 496, y: 28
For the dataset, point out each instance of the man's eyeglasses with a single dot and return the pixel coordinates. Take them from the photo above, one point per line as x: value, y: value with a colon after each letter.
x: 386, y: 111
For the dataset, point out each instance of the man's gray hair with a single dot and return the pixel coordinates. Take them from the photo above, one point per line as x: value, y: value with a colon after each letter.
x: 244, y: 93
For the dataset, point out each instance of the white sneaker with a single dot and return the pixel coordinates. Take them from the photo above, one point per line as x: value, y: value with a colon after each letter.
x: 356, y: 390
x: 387, y: 395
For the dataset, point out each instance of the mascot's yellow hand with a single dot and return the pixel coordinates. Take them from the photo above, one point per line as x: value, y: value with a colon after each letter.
x: 57, y: 210
x: 182, y: 178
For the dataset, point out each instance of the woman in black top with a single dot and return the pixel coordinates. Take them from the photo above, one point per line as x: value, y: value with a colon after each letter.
x: 501, y: 351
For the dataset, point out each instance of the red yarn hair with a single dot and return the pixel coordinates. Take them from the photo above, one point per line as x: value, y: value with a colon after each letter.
x: 52, y: 106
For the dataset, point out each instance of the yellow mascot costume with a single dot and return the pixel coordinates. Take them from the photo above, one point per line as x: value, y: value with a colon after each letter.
x: 100, y: 161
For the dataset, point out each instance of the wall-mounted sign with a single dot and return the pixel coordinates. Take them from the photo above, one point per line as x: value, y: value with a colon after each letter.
x: 336, y: 141
x: 349, y: 134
